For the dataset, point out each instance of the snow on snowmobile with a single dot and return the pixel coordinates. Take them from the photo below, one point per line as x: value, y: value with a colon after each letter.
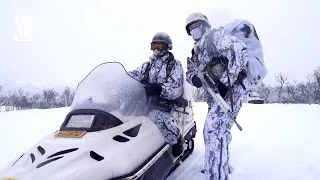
x: 107, y: 135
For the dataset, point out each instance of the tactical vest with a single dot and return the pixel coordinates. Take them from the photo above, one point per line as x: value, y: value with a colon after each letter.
x: 242, y: 75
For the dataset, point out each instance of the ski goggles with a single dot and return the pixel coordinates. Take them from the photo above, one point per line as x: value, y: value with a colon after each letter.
x: 159, y: 46
x: 194, y: 25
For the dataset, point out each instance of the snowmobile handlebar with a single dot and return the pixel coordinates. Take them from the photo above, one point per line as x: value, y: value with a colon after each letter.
x: 167, y: 105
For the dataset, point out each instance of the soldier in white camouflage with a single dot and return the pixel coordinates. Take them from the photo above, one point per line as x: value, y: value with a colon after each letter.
x: 212, y: 46
x: 162, y: 77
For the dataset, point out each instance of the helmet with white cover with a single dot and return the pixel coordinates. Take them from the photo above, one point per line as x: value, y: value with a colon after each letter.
x: 197, y: 17
x: 164, y: 38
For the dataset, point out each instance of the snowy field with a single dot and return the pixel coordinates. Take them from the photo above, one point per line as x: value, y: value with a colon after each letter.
x: 278, y: 142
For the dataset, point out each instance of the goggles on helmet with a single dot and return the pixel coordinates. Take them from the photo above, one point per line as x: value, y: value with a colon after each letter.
x: 194, y: 25
x: 158, y: 45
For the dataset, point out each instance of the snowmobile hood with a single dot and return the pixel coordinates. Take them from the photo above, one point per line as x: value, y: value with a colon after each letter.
x: 109, y: 151
x: 106, y: 135
x: 116, y: 138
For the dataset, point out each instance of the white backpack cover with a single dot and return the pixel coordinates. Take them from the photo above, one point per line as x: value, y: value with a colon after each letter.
x: 245, y: 31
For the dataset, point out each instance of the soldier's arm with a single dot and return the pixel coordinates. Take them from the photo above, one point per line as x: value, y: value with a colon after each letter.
x: 191, y: 69
x: 140, y: 72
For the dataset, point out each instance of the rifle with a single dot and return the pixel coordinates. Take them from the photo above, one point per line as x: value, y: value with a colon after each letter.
x: 210, y: 86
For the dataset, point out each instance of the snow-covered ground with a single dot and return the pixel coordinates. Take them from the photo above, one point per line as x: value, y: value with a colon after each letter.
x: 278, y: 142
x: 19, y: 130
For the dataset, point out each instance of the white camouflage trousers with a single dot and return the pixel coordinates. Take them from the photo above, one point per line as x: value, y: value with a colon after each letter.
x: 217, y: 137
x: 167, y: 129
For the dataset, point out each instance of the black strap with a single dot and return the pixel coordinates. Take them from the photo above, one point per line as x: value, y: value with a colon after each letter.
x: 146, y: 72
x: 230, y: 87
x: 170, y: 64
x: 242, y: 75
x: 217, y: 53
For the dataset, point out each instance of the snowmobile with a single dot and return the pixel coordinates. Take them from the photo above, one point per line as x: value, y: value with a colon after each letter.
x: 254, y: 98
x: 107, y: 135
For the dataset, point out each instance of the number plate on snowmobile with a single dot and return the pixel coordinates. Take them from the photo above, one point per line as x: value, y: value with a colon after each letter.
x: 8, y: 178
x: 71, y: 134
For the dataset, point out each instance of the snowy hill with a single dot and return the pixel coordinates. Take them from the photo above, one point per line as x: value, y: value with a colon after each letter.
x: 278, y: 142
x: 31, y: 87
x: 7, y: 86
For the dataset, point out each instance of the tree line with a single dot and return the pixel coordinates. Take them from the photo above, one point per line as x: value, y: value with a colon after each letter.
x: 285, y: 91
x: 46, y: 99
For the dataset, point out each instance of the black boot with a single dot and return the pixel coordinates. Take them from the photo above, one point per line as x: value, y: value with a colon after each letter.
x: 177, y: 149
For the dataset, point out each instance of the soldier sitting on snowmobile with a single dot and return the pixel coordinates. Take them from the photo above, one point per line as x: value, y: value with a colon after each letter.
x: 224, y: 58
x: 162, y: 77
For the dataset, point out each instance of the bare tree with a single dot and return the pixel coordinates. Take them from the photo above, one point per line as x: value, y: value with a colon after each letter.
x: 292, y: 95
x: 36, y: 100
x: 316, y: 76
x: 66, y: 97
x: 12, y: 101
x: 264, y: 91
x: 2, y: 98
x: 49, y: 99
x: 23, y: 100
x: 282, y: 80
x: 302, y: 91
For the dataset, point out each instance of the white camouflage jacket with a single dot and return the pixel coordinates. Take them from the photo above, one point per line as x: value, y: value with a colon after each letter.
x: 229, y: 46
x: 172, y: 86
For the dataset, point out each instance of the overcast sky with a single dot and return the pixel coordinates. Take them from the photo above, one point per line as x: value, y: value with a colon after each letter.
x: 70, y: 37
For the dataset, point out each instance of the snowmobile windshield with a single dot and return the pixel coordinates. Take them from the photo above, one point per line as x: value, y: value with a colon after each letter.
x: 109, y: 88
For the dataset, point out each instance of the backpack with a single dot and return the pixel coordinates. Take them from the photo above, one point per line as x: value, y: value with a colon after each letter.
x: 245, y: 31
